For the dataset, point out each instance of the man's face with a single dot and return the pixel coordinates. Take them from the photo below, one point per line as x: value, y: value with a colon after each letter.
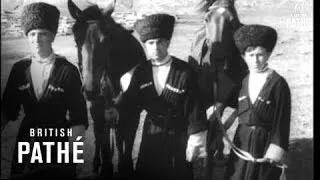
x: 40, y: 41
x: 157, y: 49
x: 256, y: 58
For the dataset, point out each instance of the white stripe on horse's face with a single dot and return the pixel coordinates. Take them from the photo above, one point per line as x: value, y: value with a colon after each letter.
x: 215, y: 20
x: 92, y: 59
x: 87, y: 67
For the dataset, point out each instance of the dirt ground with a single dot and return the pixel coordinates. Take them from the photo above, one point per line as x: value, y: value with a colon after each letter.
x: 292, y: 58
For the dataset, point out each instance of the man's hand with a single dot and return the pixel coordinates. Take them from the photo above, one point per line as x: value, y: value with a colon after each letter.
x: 196, y: 147
x: 77, y: 130
x: 217, y: 108
x: 111, y: 116
x: 210, y: 112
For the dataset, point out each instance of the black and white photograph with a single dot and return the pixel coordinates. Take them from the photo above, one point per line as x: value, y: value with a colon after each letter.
x: 157, y: 89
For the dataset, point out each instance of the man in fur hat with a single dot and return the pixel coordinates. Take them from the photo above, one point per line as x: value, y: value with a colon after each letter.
x: 166, y: 88
x: 47, y: 86
x: 264, y: 108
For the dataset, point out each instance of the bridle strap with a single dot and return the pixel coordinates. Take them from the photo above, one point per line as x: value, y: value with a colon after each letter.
x: 92, y: 21
x: 80, y: 61
x: 112, y: 100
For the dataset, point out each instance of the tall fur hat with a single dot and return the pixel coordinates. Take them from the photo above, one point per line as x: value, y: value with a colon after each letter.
x: 40, y: 15
x: 155, y: 26
x: 255, y: 35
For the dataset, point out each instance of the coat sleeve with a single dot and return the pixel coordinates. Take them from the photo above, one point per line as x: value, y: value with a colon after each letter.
x: 129, y: 111
x: 11, y: 101
x: 75, y: 100
x: 129, y: 104
x: 194, y: 113
x: 281, y: 122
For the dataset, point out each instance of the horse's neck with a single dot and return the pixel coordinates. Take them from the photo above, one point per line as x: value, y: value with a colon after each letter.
x: 196, y: 47
x: 201, y: 34
x: 234, y: 13
x: 124, y: 50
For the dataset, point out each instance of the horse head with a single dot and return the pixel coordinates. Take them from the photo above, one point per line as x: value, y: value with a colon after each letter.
x: 221, y: 21
x: 220, y: 17
x: 92, y: 31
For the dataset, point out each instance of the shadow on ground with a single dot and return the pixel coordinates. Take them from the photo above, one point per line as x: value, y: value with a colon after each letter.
x: 300, y: 159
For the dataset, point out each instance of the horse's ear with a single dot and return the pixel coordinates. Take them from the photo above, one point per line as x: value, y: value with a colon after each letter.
x: 74, y: 10
x: 109, y: 8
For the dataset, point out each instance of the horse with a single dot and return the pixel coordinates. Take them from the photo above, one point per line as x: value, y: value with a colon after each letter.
x: 106, y: 51
x: 220, y: 68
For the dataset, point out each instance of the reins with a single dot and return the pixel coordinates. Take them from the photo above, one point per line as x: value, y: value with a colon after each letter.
x: 239, y: 152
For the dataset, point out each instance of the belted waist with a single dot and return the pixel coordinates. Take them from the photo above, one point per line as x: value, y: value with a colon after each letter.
x: 163, y: 121
x: 168, y: 128
x: 161, y: 116
x: 256, y: 125
x: 46, y: 122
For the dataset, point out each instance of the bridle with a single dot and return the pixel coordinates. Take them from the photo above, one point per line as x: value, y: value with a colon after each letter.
x: 106, y: 86
x: 79, y: 46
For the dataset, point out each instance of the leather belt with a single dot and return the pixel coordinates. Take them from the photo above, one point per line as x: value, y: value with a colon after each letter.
x: 254, y: 126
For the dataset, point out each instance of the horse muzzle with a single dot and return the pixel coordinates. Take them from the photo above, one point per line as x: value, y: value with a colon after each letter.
x: 111, y: 116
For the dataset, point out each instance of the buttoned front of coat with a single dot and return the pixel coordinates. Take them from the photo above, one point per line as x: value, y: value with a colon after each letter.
x: 60, y: 97
x: 262, y: 123
x: 171, y: 117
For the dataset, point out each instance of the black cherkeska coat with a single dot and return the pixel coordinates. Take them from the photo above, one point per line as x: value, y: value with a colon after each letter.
x: 171, y: 117
x: 261, y: 123
x: 61, y: 96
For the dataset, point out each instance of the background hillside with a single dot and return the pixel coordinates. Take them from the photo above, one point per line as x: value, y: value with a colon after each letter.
x: 169, y: 6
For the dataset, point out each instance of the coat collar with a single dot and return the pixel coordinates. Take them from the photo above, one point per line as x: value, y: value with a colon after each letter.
x: 48, y: 60
x: 166, y: 60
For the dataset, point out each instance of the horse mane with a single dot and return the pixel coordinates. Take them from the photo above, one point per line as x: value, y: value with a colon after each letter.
x: 204, y: 5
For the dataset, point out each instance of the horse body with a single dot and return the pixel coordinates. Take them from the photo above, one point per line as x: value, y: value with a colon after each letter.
x: 106, y: 51
x: 220, y: 68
